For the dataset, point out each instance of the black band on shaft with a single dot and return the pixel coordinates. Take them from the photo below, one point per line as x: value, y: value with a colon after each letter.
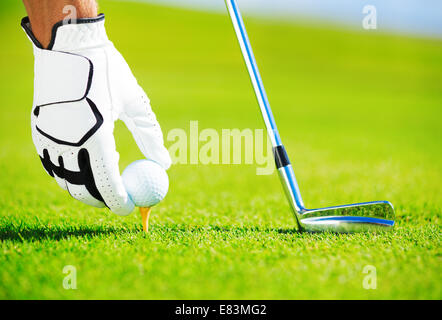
x: 281, y: 157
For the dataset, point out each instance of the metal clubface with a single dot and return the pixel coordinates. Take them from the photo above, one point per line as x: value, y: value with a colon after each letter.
x: 367, y: 216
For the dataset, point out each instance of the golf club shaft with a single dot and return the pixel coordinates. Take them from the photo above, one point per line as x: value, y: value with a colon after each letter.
x: 282, y: 161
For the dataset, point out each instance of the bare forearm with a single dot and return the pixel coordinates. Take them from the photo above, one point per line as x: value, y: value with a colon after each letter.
x: 43, y: 14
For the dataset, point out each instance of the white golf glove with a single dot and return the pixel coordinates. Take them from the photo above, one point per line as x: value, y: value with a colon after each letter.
x: 82, y: 85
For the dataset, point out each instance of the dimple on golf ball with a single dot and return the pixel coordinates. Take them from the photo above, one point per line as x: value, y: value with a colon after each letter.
x: 146, y: 182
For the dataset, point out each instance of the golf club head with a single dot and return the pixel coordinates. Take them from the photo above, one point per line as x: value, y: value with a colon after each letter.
x: 359, y: 217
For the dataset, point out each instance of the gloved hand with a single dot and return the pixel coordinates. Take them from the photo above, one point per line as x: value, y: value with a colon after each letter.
x: 82, y: 85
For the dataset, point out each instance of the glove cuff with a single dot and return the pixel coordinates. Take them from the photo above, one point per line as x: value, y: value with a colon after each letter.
x: 72, y: 35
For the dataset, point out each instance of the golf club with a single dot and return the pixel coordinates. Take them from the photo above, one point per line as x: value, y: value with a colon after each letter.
x: 366, y: 216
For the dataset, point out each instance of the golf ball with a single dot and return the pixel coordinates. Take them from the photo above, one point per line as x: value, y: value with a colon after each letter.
x: 146, y: 182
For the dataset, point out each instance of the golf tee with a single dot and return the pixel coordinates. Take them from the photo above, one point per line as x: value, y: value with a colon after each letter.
x: 145, y: 213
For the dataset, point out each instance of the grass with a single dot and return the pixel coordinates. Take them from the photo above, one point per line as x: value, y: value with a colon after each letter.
x: 359, y: 113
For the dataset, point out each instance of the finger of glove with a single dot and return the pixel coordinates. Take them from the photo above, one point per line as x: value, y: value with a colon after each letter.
x: 142, y: 123
x: 79, y: 182
x: 50, y: 159
x: 61, y: 182
x: 81, y: 193
x: 103, y: 159
x: 49, y: 156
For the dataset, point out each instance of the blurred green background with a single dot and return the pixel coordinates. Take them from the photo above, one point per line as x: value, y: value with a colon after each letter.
x: 360, y: 115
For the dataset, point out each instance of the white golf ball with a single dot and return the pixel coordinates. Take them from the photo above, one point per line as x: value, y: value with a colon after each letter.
x: 146, y: 182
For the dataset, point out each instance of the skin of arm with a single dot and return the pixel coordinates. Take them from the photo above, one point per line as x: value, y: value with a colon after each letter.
x: 43, y: 14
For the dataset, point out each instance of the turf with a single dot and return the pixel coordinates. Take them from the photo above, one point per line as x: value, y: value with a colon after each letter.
x: 359, y: 113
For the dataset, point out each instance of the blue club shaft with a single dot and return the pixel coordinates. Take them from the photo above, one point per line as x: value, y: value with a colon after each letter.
x: 286, y: 173
x: 254, y: 72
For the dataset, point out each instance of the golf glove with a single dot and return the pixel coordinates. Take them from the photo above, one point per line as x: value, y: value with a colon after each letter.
x: 82, y: 85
